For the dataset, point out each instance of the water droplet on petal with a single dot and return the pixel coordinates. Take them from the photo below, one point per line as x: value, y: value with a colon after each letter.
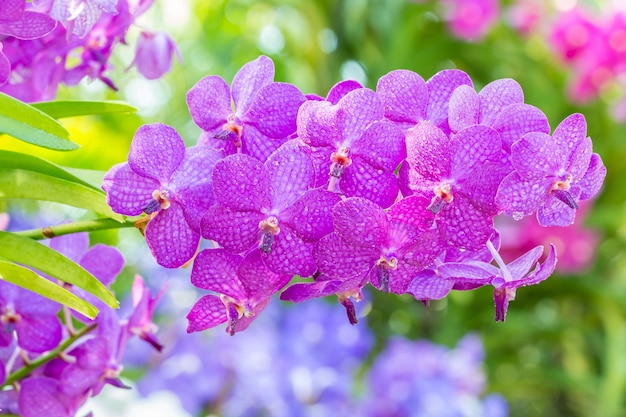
x: 518, y: 215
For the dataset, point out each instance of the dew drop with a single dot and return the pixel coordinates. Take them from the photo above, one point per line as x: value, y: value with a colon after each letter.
x: 518, y: 215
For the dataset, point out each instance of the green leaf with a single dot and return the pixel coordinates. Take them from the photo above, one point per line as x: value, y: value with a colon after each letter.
x: 28, y: 279
x: 18, y: 183
x: 18, y: 160
x: 31, y: 253
x: 31, y: 125
x: 71, y: 108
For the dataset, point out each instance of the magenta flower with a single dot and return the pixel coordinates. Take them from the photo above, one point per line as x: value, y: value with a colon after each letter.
x: 505, y: 279
x: 41, y: 395
x: 353, y: 146
x: 470, y: 19
x: 153, y: 58
x: 408, y: 99
x: 169, y: 183
x: 243, y: 284
x: 369, y: 245
x: 5, y: 66
x: 500, y: 105
x: 264, y: 116
x: 462, y: 173
x: 552, y: 174
x: 273, y: 207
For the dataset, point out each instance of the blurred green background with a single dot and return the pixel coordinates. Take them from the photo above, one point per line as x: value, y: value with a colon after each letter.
x: 562, y: 349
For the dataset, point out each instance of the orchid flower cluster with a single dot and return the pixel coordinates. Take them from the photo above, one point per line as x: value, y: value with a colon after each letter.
x: 51, y: 367
x: 47, y: 42
x: 397, y: 188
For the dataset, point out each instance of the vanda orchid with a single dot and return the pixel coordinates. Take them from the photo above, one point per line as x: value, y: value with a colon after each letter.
x: 410, y: 201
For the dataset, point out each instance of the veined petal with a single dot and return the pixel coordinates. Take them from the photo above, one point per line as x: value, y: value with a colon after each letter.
x: 38, y: 334
x: 207, y: 312
x: 535, y: 156
x: 31, y: 25
x: 473, y: 147
x: 317, y: 123
x: 341, y: 89
x: 170, y: 239
x: 290, y: 173
x: 339, y: 260
x: 554, y: 212
x: 249, y: 80
x: 463, y: 108
x: 360, y: 222
x: 409, y: 218
x: 127, y: 192
x: 257, y: 280
x: 462, y: 224
x: 209, y: 103
x: 567, y: 135
x: 240, y: 182
x: 382, y: 145
x: 275, y: 109
x: 193, y: 183
x: 427, y: 285
x: 522, y: 265
x: 156, y: 151
x: 237, y: 231
x: 303, y: 291
x: 593, y: 179
x: 257, y: 145
x: 428, y: 151
x: 39, y: 396
x: 404, y: 95
x: 495, y: 96
x: 311, y: 216
x: 11, y: 10
x: 290, y: 254
x: 216, y: 270
x: 580, y: 158
x: 363, y: 180
x: 515, y: 120
x: 356, y: 111
x: 517, y: 196
x: 440, y: 89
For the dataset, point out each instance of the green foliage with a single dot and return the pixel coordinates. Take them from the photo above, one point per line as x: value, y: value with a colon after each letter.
x: 71, y: 108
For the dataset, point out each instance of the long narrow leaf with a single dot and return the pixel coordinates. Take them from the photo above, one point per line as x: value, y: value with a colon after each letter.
x: 28, y: 279
x: 71, y: 108
x: 18, y: 183
x: 18, y: 160
x: 31, y: 253
x: 31, y: 125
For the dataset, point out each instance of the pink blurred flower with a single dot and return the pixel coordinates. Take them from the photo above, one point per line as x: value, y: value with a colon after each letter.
x: 470, y: 19
x: 525, y: 15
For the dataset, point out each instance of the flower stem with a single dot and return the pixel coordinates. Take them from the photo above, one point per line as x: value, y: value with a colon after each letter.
x: 42, y: 360
x: 76, y: 227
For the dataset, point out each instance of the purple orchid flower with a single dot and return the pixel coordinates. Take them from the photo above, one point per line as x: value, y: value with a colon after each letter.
x: 337, y: 91
x: 41, y: 395
x: 32, y: 317
x: 273, y: 207
x: 463, y: 172
x: 500, y: 104
x: 264, y: 116
x: 506, y: 278
x: 5, y: 66
x: 409, y: 100
x: 552, y: 174
x: 385, y: 249
x: 154, y: 54
x: 353, y: 146
x: 169, y: 183
x: 244, y: 285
